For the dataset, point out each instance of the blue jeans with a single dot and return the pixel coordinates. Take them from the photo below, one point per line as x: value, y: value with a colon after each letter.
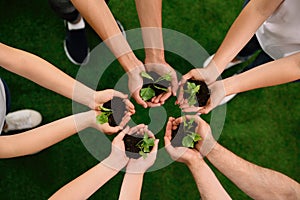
x: 250, y: 48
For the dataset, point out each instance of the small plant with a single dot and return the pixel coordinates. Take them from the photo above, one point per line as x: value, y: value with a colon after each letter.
x: 102, y: 118
x: 144, y: 145
x: 192, y: 90
x: 191, y: 138
x: 147, y: 93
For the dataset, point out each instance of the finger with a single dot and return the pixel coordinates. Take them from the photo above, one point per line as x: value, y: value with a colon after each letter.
x: 178, y: 120
x: 168, y: 132
x: 152, y: 105
x: 121, y: 135
x: 119, y: 94
x: 153, y: 99
x: 155, y: 147
x: 191, y: 109
x: 125, y: 119
x: 107, y: 129
x: 150, y: 133
x: 164, y: 97
x: 157, y: 99
x: 138, y: 99
x: 129, y: 105
x: 180, y: 96
x: 174, y: 84
x: 136, y: 129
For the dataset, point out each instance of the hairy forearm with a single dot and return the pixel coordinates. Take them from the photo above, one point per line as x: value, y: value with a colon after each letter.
x: 86, y: 184
x: 98, y: 15
x: 207, y: 183
x: 43, y: 73
x: 255, y: 181
x: 273, y: 73
x: 131, y: 186
x: 42, y: 137
x: 150, y: 17
x: 243, y: 28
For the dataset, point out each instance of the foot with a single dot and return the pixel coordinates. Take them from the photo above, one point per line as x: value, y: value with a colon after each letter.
x: 75, y: 43
x: 234, y: 62
x: 22, y: 119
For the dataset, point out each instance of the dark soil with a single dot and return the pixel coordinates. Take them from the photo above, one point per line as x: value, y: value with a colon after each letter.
x: 178, y: 134
x: 131, y: 141
x: 162, y: 84
x: 202, y: 95
x: 118, y: 109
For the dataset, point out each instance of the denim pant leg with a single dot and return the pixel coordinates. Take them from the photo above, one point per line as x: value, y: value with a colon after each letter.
x: 7, y: 96
x: 250, y: 48
x: 64, y: 9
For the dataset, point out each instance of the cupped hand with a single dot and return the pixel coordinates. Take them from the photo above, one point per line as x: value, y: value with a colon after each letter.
x: 117, y: 158
x: 141, y: 164
x: 180, y: 154
x: 163, y: 69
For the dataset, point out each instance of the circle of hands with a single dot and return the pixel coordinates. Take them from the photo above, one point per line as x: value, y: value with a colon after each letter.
x: 117, y: 158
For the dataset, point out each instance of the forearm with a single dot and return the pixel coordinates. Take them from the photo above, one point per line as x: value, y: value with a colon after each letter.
x: 98, y: 15
x: 42, y: 137
x: 150, y: 17
x: 131, y: 186
x: 257, y: 182
x: 86, y: 184
x: 242, y: 30
x: 207, y: 183
x: 43, y: 73
x: 273, y: 73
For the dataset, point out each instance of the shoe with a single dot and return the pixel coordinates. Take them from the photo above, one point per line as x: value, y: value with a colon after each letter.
x: 121, y: 28
x: 227, y: 99
x: 75, y: 43
x: 22, y: 119
x: 231, y: 64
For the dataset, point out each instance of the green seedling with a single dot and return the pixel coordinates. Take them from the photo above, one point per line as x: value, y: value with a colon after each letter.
x: 144, y: 145
x: 147, y: 93
x: 102, y: 118
x: 192, y: 90
x: 191, y: 138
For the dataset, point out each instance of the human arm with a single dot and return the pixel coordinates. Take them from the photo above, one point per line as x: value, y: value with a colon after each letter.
x: 98, y: 15
x: 207, y: 183
x: 40, y: 138
x: 135, y: 170
x: 89, y: 182
x: 254, y: 14
x: 150, y: 17
x: 46, y: 75
x: 255, y: 181
x: 273, y: 73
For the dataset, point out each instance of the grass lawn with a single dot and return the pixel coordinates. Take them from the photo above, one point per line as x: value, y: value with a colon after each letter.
x: 261, y: 126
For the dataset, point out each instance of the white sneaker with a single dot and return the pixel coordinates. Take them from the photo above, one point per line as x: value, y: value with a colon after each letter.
x: 231, y: 64
x: 22, y: 119
x: 227, y: 98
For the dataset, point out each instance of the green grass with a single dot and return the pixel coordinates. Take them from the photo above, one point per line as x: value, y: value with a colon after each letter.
x: 261, y: 126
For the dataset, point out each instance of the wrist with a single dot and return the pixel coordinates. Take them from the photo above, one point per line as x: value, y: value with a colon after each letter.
x: 129, y: 62
x: 211, y: 72
x: 154, y: 56
x: 195, y: 163
x: 114, y: 163
x: 83, y: 120
x: 229, y: 85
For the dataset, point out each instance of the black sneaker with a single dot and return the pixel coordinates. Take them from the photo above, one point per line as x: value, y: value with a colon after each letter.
x: 76, y: 46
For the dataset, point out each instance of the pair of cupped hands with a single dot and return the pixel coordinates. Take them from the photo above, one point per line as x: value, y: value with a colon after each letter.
x: 118, y: 159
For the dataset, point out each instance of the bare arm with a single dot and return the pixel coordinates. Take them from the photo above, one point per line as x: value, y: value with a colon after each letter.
x: 99, y: 16
x: 255, y: 181
x: 43, y: 73
x: 241, y: 31
x: 131, y: 186
x: 89, y: 182
x: 273, y: 73
x: 207, y: 183
x: 42, y: 137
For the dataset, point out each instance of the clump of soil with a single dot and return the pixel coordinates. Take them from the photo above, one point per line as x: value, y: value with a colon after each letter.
x: 202, y: 95
x: 160, y: 84
x: 179, y: 133
x: 131, y: 145
x: 118, y: 108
